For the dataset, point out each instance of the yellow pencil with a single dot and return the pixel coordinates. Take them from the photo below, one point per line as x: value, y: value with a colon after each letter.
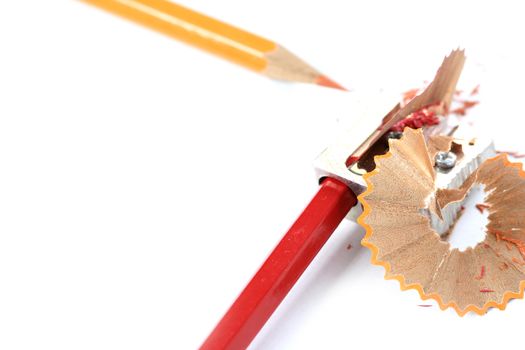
x: 246, y: 49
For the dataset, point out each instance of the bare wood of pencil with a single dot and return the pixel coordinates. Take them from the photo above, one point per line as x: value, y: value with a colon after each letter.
x: 232, y: 43
x: 284, y: 65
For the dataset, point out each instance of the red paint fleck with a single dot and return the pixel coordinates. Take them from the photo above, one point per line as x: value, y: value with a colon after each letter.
x: 463, y: 109
x: 349, y: 246
x: 462, y: 208
x: 518, y: 243
x: 417, y: 120
x: 481, y: 273
x: 515, y: 260
x: 485, y: 290
x: 481, y: 207
x: 459, y: 111
x: 475, y: 91
x: 486, y: 245
x: 504, y: 266
x: 469, y: 104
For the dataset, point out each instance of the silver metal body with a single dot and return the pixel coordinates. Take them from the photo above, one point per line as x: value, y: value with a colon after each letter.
x: 369, y: 110
x: 473, y: 156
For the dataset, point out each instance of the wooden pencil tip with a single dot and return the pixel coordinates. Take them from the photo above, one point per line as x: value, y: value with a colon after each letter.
x: 325, y: 81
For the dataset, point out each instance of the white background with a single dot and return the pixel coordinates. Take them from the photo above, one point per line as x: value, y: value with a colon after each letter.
x: 142, y: 182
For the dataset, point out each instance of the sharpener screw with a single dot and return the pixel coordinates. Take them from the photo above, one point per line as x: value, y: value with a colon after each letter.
x: 394, y: 135
x: 446, y: 160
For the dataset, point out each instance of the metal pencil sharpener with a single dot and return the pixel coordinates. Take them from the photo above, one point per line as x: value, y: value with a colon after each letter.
x: 349, y: 158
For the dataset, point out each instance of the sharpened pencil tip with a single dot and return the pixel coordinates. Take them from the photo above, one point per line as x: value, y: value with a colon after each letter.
x: 325, y: 81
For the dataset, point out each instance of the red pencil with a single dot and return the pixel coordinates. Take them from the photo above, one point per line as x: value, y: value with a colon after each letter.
x: 282, y: 268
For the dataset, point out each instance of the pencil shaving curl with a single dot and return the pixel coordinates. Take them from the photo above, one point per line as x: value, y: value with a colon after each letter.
x: 403, y: 242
